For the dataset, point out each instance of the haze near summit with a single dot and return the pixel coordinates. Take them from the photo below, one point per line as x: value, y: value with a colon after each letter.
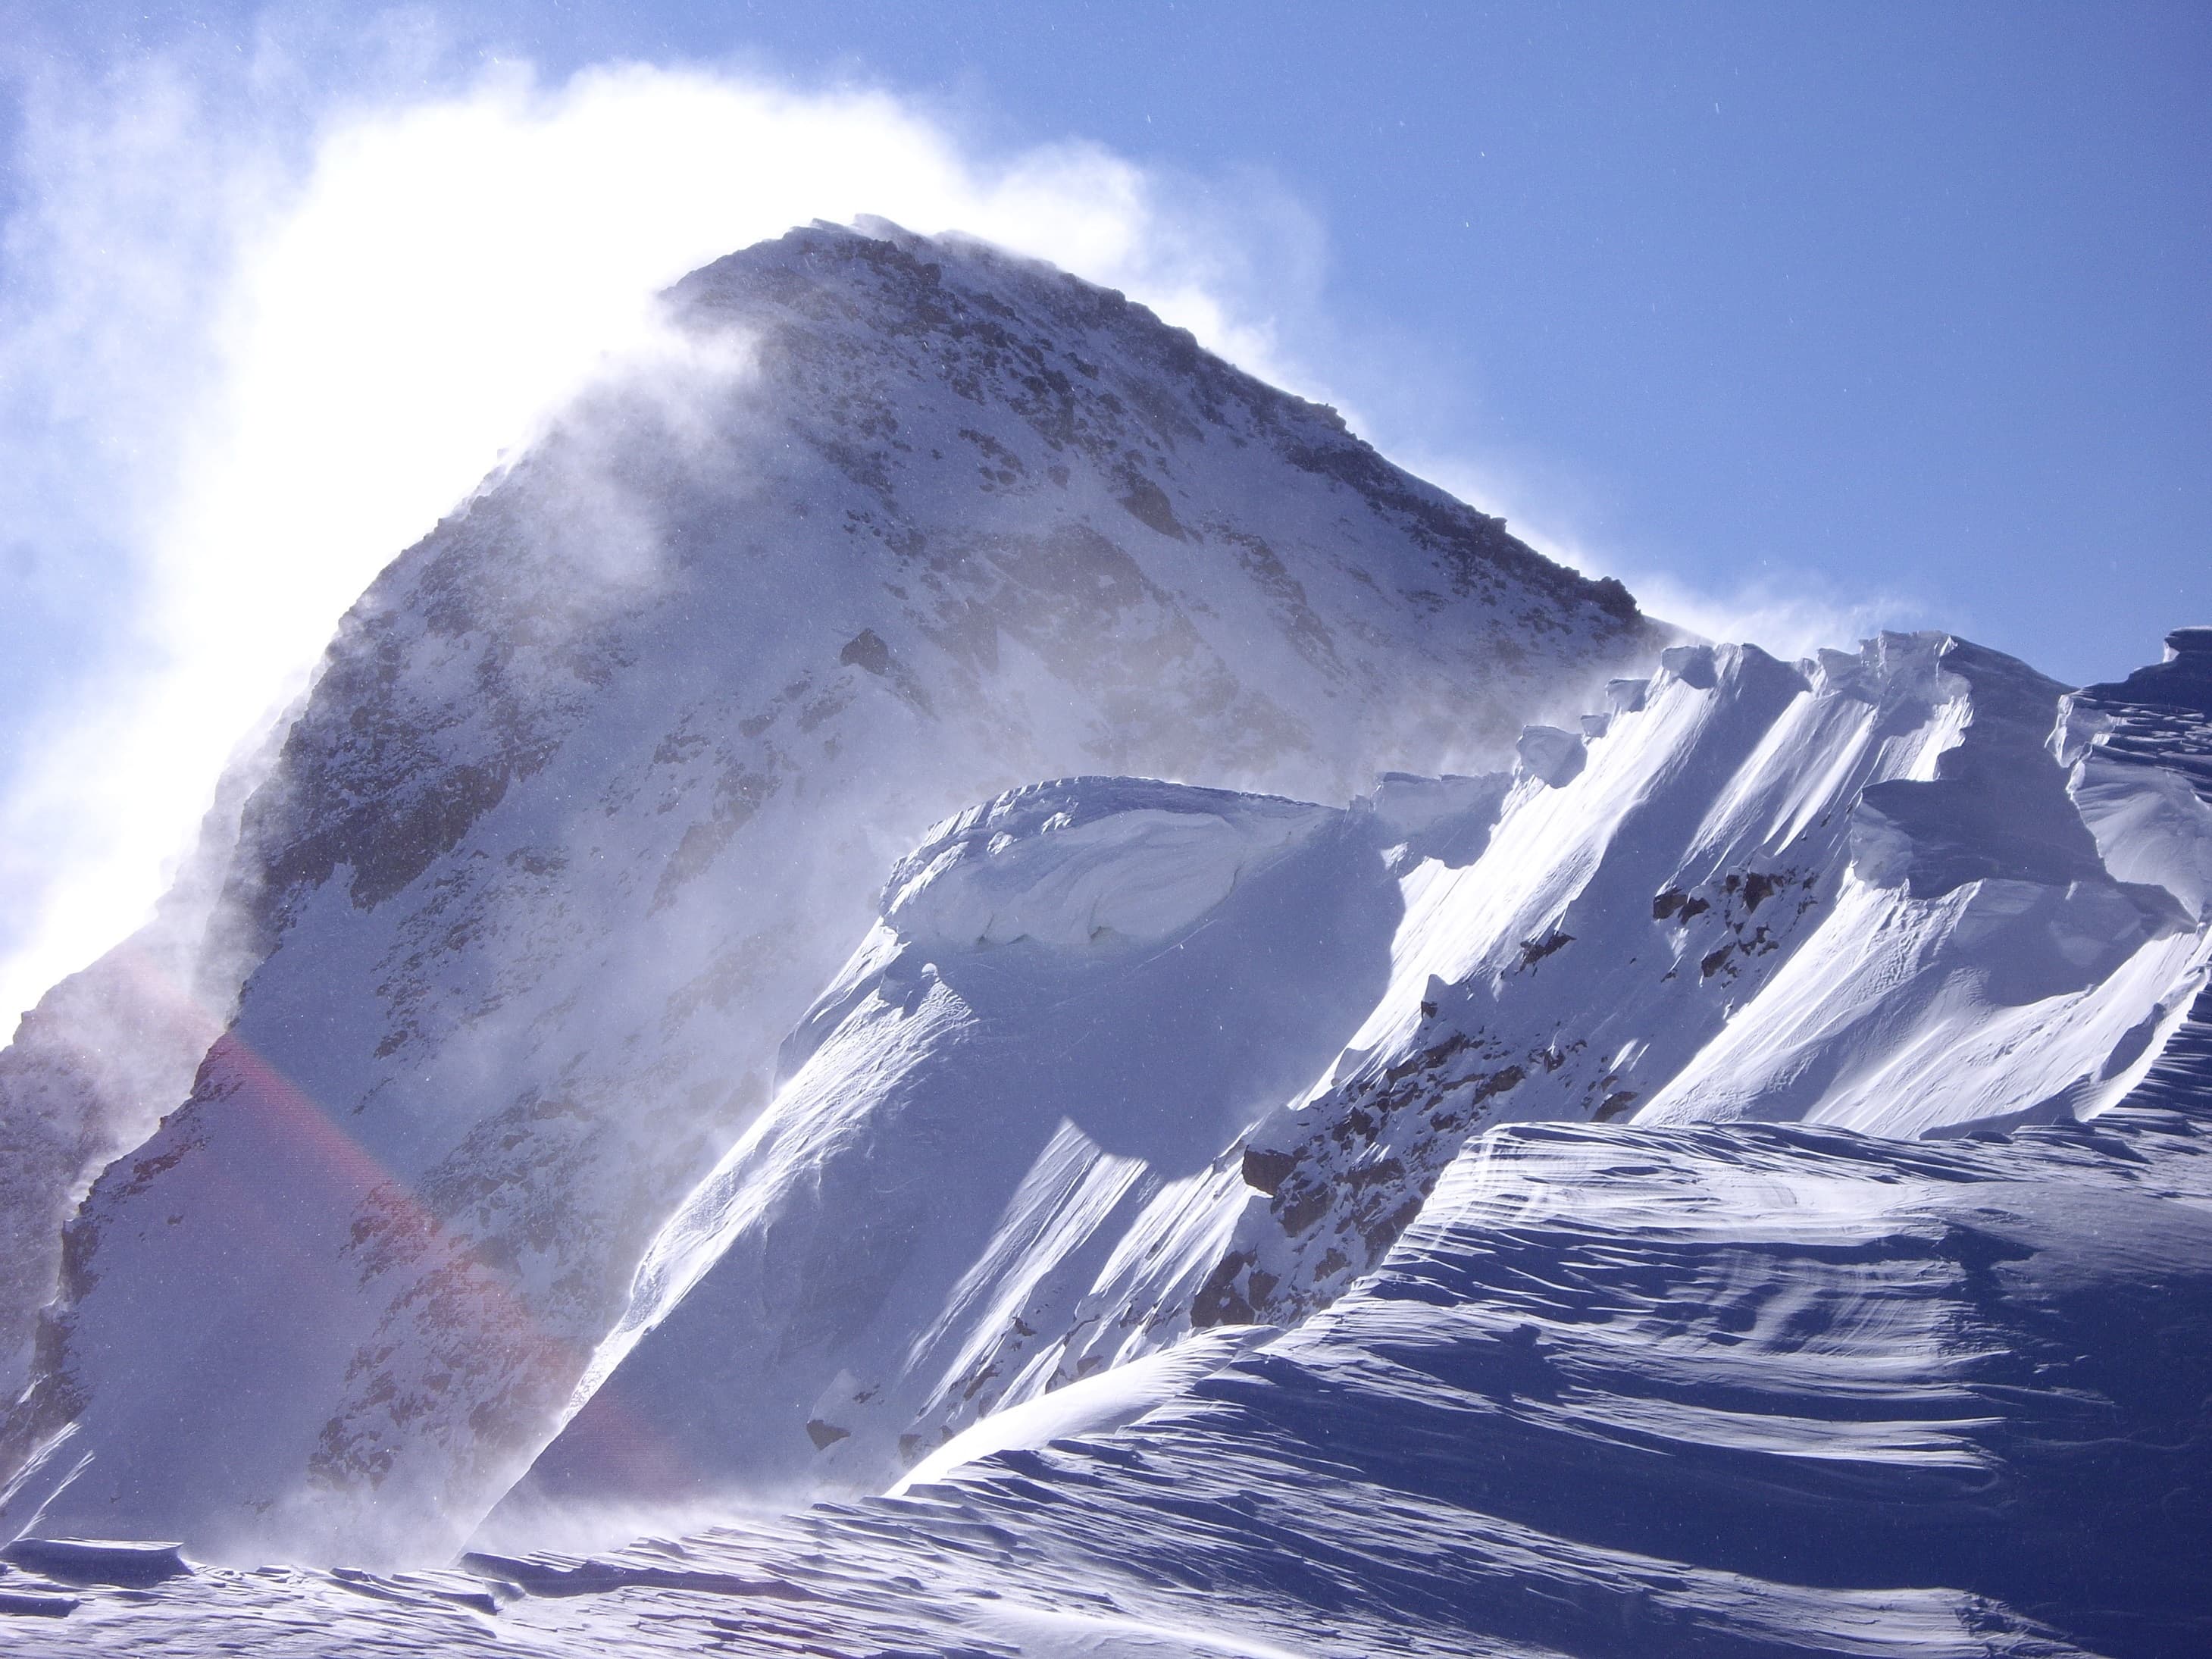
x: 375, y: 333
x: 1798, y: 325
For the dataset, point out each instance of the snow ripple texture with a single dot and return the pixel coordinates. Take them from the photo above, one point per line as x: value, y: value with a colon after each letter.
x: 1714, y: 1392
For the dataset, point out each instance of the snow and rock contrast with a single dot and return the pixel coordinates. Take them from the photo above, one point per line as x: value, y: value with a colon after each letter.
x: 1878, y: 890
x: 1124, y: 1060
x: 589, y: 800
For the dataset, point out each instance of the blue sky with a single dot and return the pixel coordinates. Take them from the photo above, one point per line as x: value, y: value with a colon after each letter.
x: 1806, y: 316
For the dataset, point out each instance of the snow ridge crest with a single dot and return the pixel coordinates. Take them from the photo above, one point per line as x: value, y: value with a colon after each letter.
x: 1088, y: 862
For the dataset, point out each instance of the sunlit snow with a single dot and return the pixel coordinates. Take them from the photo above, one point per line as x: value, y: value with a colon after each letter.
x: 1375, y: 1100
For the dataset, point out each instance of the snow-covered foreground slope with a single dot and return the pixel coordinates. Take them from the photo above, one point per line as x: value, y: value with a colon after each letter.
x: 591, y: 796
x: 1092, y: 988
x: 1711, y: 1391
x: 1122, y: 1060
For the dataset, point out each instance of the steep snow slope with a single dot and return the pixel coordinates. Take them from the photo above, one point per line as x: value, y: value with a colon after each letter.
x: 1864, y: 892
x: 1100, y: 1076
x: 1714, y: 1392
x: 1082, y: 992
x: 587, y: 802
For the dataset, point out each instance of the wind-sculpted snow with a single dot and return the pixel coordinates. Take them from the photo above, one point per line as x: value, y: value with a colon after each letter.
x: 964, y: 1193
x: 2142, y: 756
x: 590, y: 798
x: 1097, y: 1081
x: 1711, y: 1391
x: 1861, y: 890
x: 1119, y: 862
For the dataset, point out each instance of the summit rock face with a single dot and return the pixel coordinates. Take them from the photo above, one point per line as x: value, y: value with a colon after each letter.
x: 594, y: 790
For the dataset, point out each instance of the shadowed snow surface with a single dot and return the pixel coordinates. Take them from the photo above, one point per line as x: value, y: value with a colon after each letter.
x: 1731, y: 1390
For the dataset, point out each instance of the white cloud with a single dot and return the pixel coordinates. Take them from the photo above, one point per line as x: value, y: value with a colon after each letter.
x: 288, y: 342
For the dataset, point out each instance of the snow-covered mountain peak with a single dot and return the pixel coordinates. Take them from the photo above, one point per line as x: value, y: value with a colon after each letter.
x: 1357, y: 1227
x: 1092, y: 373
x: 594, y: 790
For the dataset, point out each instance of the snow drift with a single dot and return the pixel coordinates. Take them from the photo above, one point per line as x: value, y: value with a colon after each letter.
x: 1715, y: 1390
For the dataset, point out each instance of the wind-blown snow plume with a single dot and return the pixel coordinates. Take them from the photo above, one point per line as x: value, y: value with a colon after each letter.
x: 1787, y: 609
x: 260, y: 345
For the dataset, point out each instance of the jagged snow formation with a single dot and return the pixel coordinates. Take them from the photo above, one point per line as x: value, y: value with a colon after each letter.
x: 1116, y: 862
x: 588, y: 801
x: 1125, y: 1060
x: 1866, y: 890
